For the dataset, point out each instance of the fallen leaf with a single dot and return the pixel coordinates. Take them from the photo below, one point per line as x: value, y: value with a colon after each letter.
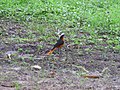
x: 7, y: 84
x: 91, y: 76
x: 36, y: 67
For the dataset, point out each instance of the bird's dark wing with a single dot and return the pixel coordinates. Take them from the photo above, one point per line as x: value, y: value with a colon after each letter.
x: 59, y: 43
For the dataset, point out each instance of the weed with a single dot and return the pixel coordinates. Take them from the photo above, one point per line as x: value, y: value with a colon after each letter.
x: 17, y: 86
x: 20, y: 50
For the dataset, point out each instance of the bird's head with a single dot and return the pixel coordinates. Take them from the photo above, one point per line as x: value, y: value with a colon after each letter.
x: 61, y: 36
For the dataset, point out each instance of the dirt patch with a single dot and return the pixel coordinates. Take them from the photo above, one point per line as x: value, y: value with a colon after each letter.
x: 18, y: 54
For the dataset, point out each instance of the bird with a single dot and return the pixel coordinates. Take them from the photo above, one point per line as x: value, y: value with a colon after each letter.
x: 58, y: 45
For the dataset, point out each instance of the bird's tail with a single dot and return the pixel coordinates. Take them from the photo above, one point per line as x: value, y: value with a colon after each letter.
x: 51, y: 51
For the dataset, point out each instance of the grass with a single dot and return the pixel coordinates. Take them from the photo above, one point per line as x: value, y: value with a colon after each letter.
x: 17, y: 86
x: 100, y: 18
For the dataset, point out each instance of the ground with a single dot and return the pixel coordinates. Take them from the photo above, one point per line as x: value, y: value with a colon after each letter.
x: 18, y: 53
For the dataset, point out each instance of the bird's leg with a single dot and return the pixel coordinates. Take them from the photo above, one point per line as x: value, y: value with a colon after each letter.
x: 59, y: 57
x: 60, y: 52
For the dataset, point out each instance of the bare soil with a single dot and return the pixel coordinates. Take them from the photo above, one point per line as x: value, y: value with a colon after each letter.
x: 66, y: 71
